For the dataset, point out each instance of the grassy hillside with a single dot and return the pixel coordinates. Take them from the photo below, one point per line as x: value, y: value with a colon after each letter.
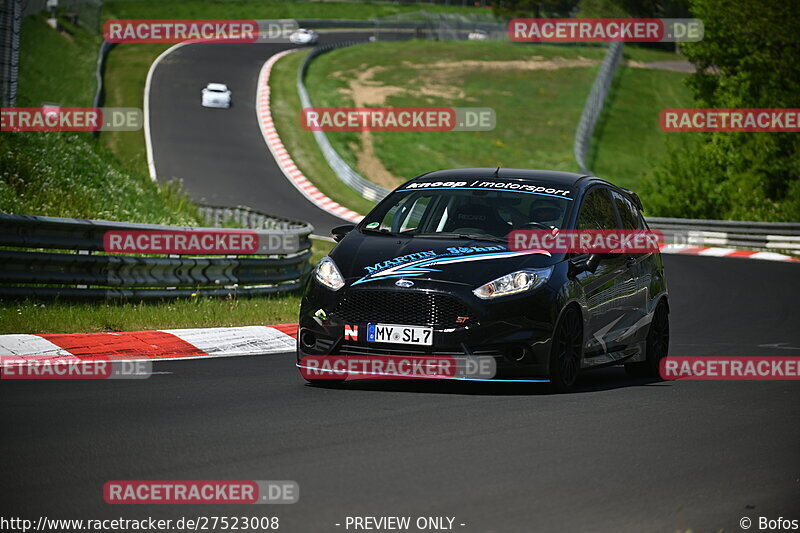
x: 56, y: 67
x: 71, y: 174
x: 538, y: 93
x: 125, y: 74
x: 628, y: 142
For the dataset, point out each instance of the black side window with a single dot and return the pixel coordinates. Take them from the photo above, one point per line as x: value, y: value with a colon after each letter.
x: 597, y: 211
x: 631, y: 219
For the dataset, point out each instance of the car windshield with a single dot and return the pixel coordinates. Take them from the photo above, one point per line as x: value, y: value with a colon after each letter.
x: 471, y: 213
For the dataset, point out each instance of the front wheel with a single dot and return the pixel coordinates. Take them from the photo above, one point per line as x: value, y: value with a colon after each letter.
x: 565, y: 355
x: 656, y: 347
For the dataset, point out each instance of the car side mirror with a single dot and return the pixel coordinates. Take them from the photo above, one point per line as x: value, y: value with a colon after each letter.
x: 587, y: 264
x: 339, y: 232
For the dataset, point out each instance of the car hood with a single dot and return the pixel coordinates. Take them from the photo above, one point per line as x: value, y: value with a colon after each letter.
x: 365, y: 259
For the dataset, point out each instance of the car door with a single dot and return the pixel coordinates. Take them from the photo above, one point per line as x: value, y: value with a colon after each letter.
x: 608, y: 289
x: 640, y: 267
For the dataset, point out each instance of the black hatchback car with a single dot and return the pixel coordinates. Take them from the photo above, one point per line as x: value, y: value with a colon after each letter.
x: 428, y: 271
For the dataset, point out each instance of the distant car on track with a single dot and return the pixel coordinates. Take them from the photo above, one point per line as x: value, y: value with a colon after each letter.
x: 216, y: 95
x: 304, y: 36
x: 428, y: 271
x: 477, y: 35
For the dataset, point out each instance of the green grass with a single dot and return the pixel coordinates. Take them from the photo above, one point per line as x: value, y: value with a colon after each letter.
x: 268, y: 9
x: 66, y: 175
x: 537, y: 110
x: 71, y: 174
x: 628, y: 142
x: 300, y: 143
x: 125, y: 74
x: 79, y: 317
x: 56, y: 67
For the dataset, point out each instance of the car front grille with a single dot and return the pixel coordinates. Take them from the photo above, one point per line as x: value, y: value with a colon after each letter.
x: 415, y: 308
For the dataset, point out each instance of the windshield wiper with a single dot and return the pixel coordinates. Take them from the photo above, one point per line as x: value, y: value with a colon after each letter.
x: 468, y: 236
x: 380, y: 232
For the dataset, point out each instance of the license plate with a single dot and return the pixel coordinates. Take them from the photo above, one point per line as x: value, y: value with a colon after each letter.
x: 396, y: 334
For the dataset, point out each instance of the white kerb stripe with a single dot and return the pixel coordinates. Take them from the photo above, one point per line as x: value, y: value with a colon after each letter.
x: 29, y: 345
x: 246, y: 340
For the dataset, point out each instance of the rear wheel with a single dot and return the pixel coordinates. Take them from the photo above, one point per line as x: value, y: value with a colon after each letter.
x: 657, y: 345
x: 565, y: 355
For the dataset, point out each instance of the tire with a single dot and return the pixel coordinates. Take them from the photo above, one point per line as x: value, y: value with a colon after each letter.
x: 657, y: 346
x: 566, y: 352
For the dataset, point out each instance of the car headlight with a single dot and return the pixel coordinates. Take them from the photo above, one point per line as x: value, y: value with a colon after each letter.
x: 327, y: 274
x: 516, y: 282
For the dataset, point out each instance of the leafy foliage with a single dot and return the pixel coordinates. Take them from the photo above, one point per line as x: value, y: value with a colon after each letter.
x: 748, y: 59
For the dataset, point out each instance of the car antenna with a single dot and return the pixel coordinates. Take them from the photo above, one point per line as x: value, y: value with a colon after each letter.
x: 497, y: 172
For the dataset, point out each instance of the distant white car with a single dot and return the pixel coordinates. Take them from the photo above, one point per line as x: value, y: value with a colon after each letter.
x: 304, y: 36
x: 477, y: 35
x: 216, y: 95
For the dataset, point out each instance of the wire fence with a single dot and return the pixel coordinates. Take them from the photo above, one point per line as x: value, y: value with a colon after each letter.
x: 594, y: 105
x: 11, y: 14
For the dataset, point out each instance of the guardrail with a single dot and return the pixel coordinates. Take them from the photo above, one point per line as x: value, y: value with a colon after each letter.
x: 245, y: 217
x: 343, y: 171
x: 67, y: 258
x: 766, y: 236
x: 394, y: 24
x: 102, y: 54
x: 594, y: 105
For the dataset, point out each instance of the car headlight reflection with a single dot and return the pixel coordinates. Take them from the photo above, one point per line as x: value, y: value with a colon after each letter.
x: 328, y: 275
x: 516, y: 282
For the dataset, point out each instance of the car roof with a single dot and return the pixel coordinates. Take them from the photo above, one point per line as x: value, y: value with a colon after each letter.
x: 562, y: 179
x: 217, y: 87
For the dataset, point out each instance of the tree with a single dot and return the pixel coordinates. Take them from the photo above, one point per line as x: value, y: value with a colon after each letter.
x: 749, y: 58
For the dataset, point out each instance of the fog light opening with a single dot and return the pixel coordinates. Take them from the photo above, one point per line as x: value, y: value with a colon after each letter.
x: 308, y: 339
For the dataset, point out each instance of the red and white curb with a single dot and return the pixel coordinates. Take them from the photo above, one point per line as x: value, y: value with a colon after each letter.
x: 281, y: 155
x: 150, y: 345
x: 711, y: 251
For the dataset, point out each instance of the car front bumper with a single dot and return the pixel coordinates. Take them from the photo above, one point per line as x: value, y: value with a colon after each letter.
x: 515, y: 330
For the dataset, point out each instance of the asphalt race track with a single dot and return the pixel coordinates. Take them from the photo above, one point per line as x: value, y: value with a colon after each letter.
x: 219, y: 153
x: 620, y: 454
